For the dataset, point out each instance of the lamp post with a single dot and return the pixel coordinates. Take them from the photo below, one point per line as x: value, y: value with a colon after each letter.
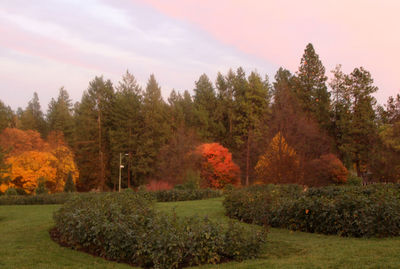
x: 120, y: 167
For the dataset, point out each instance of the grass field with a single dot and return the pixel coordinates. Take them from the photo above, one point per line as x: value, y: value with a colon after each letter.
x: 25, y: 243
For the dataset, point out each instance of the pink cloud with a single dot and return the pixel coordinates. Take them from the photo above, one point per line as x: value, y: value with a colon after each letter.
x: 352, y: 33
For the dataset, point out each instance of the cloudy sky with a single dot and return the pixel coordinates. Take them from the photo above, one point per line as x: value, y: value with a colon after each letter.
x: 46, y: 44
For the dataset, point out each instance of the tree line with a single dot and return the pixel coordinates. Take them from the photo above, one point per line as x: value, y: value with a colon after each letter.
x: 243, y: 112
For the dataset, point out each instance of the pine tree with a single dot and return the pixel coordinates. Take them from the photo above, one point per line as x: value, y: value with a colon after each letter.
x: 32, y: 117
x: 311, y: 87
x: 251, y: 108
x: 156, y: 128
x: 126, y: 133
x: 59, y: 115
x: 205, y: 103
x: 69, y: 184
x: 92, y: 125
x: 6, y: 116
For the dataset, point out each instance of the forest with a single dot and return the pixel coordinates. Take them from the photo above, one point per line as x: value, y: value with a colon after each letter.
x: 241, y: 129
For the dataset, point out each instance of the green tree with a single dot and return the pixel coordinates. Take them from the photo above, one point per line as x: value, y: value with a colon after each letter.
x: 126, y: 133
x: 92, y: 126
x: 59, y: 115
x: 32, y: 117
x: 6, y: 116
x: 205, y: 103
x: 251, y: 109
x: 156, y: 128
x: 311, y: 89
x: 69, y: 184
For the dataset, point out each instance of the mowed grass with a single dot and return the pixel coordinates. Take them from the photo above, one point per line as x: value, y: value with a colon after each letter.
x: 25, y: 243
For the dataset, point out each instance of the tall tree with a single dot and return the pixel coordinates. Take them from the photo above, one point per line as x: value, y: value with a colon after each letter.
x: 252, y: 107
x: 32, y: 117
x: 205, y: 103
x: 127, y: 122
x: 156, y: 128
x: 6, y: 116
x: 92, y: 125
x: 311, y: 87
x: 59, y: 115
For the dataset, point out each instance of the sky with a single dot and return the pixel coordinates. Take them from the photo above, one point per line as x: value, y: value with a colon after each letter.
x: 48, y: 44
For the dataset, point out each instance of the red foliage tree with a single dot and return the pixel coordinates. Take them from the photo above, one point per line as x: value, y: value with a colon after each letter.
x: 327, y: 169
x: 217, y: 168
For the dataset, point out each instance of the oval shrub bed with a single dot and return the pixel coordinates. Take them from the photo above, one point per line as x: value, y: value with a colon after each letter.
x: 362, y: 211
x: 127, y: 228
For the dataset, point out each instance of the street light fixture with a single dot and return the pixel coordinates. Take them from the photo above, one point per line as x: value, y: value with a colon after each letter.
x: 120, y: 167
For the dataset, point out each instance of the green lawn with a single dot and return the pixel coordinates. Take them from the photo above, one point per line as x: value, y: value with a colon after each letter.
x: 25, y: 243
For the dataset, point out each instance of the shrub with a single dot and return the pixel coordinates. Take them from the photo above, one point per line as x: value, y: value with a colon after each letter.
x: 363, y: 211
x: 185, y: 195
x: 126, y: 228
x: 354, y: 180
x: 11, y: 192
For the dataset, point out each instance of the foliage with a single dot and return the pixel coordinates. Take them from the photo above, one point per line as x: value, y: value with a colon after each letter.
x: 32, y: 117
x: 326, y: 170
x: 354, y: 180
x: 11, y: 192
x: 185, y: 194
x: 31, y: 157
x: 359, y: 211
x: 217, y: 167
x: 126, y: 228
x: 279, y: 164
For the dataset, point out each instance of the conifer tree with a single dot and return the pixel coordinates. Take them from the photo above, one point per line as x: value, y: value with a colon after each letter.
x: 127, y: 122
x: 205, y: 103
x: 32, y: 117
x: 69, y: 184
x: 59, y: 115
x: 6, y: 116
x: 156, y: 128
x: 92, y: 125
x: 311, y: 87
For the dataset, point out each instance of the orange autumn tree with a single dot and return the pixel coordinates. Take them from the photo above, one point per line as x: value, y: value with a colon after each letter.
x: 217, y: 168
x: 30, y: 158
x: 280, y: 164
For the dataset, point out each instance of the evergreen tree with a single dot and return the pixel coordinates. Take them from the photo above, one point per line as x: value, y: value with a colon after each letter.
x: 6, y: 116
x: 311, y: 87
x: 251, y: 108
x: 127, y: 128
x: 69, y: 184
x: 156, y: 128
x: 205, y: 103
x: 92, y: 125
x: 59, y: 115
x: 32, y: 117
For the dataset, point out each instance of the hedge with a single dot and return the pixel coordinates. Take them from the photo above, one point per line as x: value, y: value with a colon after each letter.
x: 127, y: 228
x: 358, y: 211
x: 61, y: 198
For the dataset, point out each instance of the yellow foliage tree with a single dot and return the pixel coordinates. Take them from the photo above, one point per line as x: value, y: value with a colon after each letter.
x: 28, y: 167
x: 279, y: 164
x: 52, y: 161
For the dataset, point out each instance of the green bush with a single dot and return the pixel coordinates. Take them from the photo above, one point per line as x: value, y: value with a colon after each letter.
x: 61, y: 198
x: 11, y: 192
x: 353, y: 180
x: 69, y: 184
x: 126, y: 228
x: 41, y: 188
x: 362, y: 211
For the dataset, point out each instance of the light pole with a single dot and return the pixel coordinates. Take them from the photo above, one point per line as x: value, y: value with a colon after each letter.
x: 120, y: 167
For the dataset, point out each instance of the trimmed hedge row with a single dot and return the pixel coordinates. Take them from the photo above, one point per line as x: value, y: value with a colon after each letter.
x: 61, y: 198
x: 126, y: 228
x: 362, y: 211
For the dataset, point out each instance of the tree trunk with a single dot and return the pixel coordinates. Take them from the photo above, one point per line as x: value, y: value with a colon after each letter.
x: 248, y: 159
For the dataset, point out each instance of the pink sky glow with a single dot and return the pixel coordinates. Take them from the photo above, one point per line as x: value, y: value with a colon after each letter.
x: 52, y: 43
